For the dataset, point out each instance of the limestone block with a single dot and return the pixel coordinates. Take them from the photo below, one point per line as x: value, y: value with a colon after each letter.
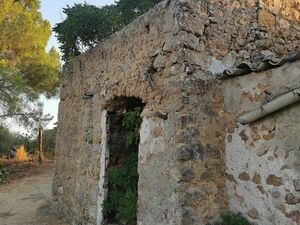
x: 292, y: 199
x: 266, y: 19
x: 297, y: 184
x: 253, y: 213
x: 274, y: 180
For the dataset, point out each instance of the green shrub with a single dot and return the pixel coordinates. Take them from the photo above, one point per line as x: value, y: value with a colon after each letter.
x: 131, y: 122
x: 4, y: 172
x: 121, y: 203
x: 233, y: 219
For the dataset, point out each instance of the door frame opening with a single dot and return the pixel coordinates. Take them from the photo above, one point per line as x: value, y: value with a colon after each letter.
x: 120, y: 125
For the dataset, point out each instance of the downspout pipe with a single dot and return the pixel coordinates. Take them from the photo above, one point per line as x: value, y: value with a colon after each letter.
x: 273, y: 106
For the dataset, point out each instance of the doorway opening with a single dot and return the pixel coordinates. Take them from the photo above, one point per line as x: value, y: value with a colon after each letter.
x: 121, y: 176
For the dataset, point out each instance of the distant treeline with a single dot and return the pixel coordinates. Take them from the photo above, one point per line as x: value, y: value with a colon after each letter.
x: 9, y: 141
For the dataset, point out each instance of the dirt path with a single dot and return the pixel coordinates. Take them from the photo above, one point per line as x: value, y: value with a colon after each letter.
x: 25, y: 200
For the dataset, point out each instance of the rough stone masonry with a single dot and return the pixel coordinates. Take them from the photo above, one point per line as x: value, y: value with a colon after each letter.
x: 196, y: 161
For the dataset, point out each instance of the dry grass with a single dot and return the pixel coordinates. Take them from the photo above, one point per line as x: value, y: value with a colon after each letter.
x: 6, y: 161
x: 3, y: 158
x: 21, y: 157
x: 21, y: 154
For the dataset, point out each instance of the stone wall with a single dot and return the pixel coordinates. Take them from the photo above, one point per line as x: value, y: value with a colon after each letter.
x: 218, y: 35
x: 120, y: 66
x: 169, y: 58
x: 262, y: 159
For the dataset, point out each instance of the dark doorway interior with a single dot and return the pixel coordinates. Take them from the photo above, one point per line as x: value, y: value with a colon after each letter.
x: 120, y: 206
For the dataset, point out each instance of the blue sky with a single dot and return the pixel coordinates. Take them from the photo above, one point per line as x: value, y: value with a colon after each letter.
x: 52, y: 11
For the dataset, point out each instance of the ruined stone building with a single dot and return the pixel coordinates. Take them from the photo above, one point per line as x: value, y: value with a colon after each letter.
x: 198, y: 67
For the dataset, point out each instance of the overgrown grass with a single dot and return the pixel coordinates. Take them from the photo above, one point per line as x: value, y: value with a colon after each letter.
x: 233, y: 219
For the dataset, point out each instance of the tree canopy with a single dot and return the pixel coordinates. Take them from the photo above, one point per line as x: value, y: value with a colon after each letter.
x: 26, y: 69
x: 86, y: 25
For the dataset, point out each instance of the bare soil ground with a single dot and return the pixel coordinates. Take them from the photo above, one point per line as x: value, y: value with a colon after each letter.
x: 25, y: 199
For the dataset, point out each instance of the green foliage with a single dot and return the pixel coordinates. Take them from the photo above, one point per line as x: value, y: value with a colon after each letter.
x: 86, y: 25
x: 131, y: 9
x: 233, y: 219
x: 26, y: 69
x: 131, y: 122
x: 4, y: 172
x: 5, y: 140
x: 121, y: 202
x: 49, y: 138
x: 9, y: 141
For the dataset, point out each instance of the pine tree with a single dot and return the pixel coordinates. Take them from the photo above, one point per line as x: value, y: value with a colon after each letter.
x: 26, y: 69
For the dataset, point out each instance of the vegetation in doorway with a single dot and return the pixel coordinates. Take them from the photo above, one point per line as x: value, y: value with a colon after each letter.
x: 233, y: 219
x: 120, y: 205
x: 131, y: 122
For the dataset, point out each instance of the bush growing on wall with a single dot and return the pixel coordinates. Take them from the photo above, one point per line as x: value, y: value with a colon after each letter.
x: 87, y: 25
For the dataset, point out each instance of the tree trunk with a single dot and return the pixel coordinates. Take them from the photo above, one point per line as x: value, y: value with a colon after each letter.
x: 40, y: 150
